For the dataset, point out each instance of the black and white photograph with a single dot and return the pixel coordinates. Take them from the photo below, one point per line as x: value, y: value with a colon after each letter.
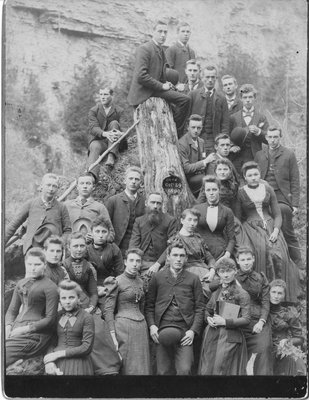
x: 154, y: 199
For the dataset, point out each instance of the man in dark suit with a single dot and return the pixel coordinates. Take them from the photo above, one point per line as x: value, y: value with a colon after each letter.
x: 229, y: 87
x: 104, y: 121
x: 248, y: 128
x: 174, y: 313
x: 151, y: 233
x: 149, y: 77
x: 124, y: 207
x: 212, y: 106
x: 179, y: 53
x: 279, y: 168
x: 192, y: 71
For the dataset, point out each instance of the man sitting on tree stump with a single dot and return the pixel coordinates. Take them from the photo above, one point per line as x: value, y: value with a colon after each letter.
x: 149, y: 77
x: 104, y: 128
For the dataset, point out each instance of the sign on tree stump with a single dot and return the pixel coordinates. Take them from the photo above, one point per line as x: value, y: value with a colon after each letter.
x: 159, y: 155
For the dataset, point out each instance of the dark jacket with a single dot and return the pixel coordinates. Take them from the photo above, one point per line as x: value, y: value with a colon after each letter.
x: 149, y: 73
x: 220, y: 110
x: 144, y: 233
x: 191, y: 158
x: 236, y: 106
x: 56, y: 217
x: 98, y: 121
x: 285, y: 170
x: 198, y: 85
x: 119, y: 210
x: 188, y: 293
x: 258, y: 119
x: 177, y: 56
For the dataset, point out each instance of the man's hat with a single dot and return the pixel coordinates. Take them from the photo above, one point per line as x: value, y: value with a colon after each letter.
x: 172, y: 76
x: 238, y: 135
x: 170, y: 335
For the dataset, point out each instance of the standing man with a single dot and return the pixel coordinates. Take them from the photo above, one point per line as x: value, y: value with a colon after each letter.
x: 248, y: 128
x: 192, y: 71
x: 125, y: 207
x: 104, y: 120
x: 84, y: 209
x: 151, y: 233
x: 149, y: 77
x: 212, y: 106
x: 229, y: 87
x: 279, y: 168
x: 179, y: 53
x: 174, y: 313
x: 46, y: 216
x: 192, y: 153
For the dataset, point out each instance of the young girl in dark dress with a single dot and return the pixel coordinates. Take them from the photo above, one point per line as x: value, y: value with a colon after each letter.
x: 224, y: 347
x: 75, y: 335
x: 286, y: 332
x: 31, y: 316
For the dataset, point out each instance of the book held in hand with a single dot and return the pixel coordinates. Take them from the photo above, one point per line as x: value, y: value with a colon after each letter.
x: 227, y: 310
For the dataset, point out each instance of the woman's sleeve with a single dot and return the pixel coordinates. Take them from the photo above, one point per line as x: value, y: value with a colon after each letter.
x: 13, y: 309
x: 244, y: 319
x: 295, y: 326
x: 111, y: 285
x: 210, y: 307
x: 238, y: 206
x: 51, y: 307
x: 265, y: 301
x: 275, y: 209
x: 87, y: 341
x: 208, y: 257
x: 92, y: 289
x: 230, y: 231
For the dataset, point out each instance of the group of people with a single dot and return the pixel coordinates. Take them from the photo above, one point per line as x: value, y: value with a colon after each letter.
x: 125, y: 288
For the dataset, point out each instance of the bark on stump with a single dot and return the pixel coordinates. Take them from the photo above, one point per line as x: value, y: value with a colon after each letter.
x: 159, y: 156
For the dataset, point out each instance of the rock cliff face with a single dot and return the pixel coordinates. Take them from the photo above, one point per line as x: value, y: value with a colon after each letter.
x: 49, y: 38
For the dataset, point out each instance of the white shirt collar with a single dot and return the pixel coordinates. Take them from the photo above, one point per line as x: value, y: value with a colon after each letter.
x: 130, y: 195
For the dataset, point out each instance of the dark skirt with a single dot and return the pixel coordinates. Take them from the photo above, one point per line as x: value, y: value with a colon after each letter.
x: 133, y: 342
x: 270, y: 258
x: 288, y: 366
x: 219, y: 357
x: 75, y: 365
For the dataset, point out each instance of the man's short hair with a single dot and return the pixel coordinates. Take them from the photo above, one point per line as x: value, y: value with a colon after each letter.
x: 111, y: 91
x: 159, y: 22
x: 53, y: 239
x: 181, y: 25
x: 133, y: 168
x: 36, y: 252
x: 101, y: 221
x: 247, y: 88
x: 221, y: 136
x: 51, y: 176
x: 175, y: 244
x: 229, y: 77
x: 88, y: 175
x: 210, y: 67
x: 192, y: 211
x: 195, y: 117
x: 133, y: 250
x: 193, y: 62
x: 275, y: 128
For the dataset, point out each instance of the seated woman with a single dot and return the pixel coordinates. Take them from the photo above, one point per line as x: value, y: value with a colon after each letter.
x: 286, y: 333
x: 124, y: 306
x: 260, y: 215
x: 258, y: 332
x: 228, y: 310
x: 53, y: 249
x: 75, y: 335
x: 229, y: 184
x: 216, y: 223
x: 32, y: 314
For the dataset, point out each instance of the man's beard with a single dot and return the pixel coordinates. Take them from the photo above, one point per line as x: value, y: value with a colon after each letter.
x: 154, y: 216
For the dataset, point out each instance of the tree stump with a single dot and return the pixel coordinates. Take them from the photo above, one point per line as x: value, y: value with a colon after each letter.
x: 159, y: 156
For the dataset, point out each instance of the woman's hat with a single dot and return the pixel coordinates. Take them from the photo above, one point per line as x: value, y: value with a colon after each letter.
x: 238, y: 135
x: 170, y: 335
x: 172, y: 76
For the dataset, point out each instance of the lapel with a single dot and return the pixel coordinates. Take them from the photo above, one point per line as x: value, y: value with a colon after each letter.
x: 171, y: 280
x: 158, y: 50
x: 112, y: 109
x: 279, y: 152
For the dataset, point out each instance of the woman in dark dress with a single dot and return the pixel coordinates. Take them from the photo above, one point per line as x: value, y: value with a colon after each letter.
x: 31, y: 316
x: 75, y: 335
x: 224, y: 347
x: 286, y: 333
x: 124, y: 306
x: 229, y: 184
x: 53, y: 248
x: 258, y: 332
x: 216, y: 223
x: 261, y: 220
